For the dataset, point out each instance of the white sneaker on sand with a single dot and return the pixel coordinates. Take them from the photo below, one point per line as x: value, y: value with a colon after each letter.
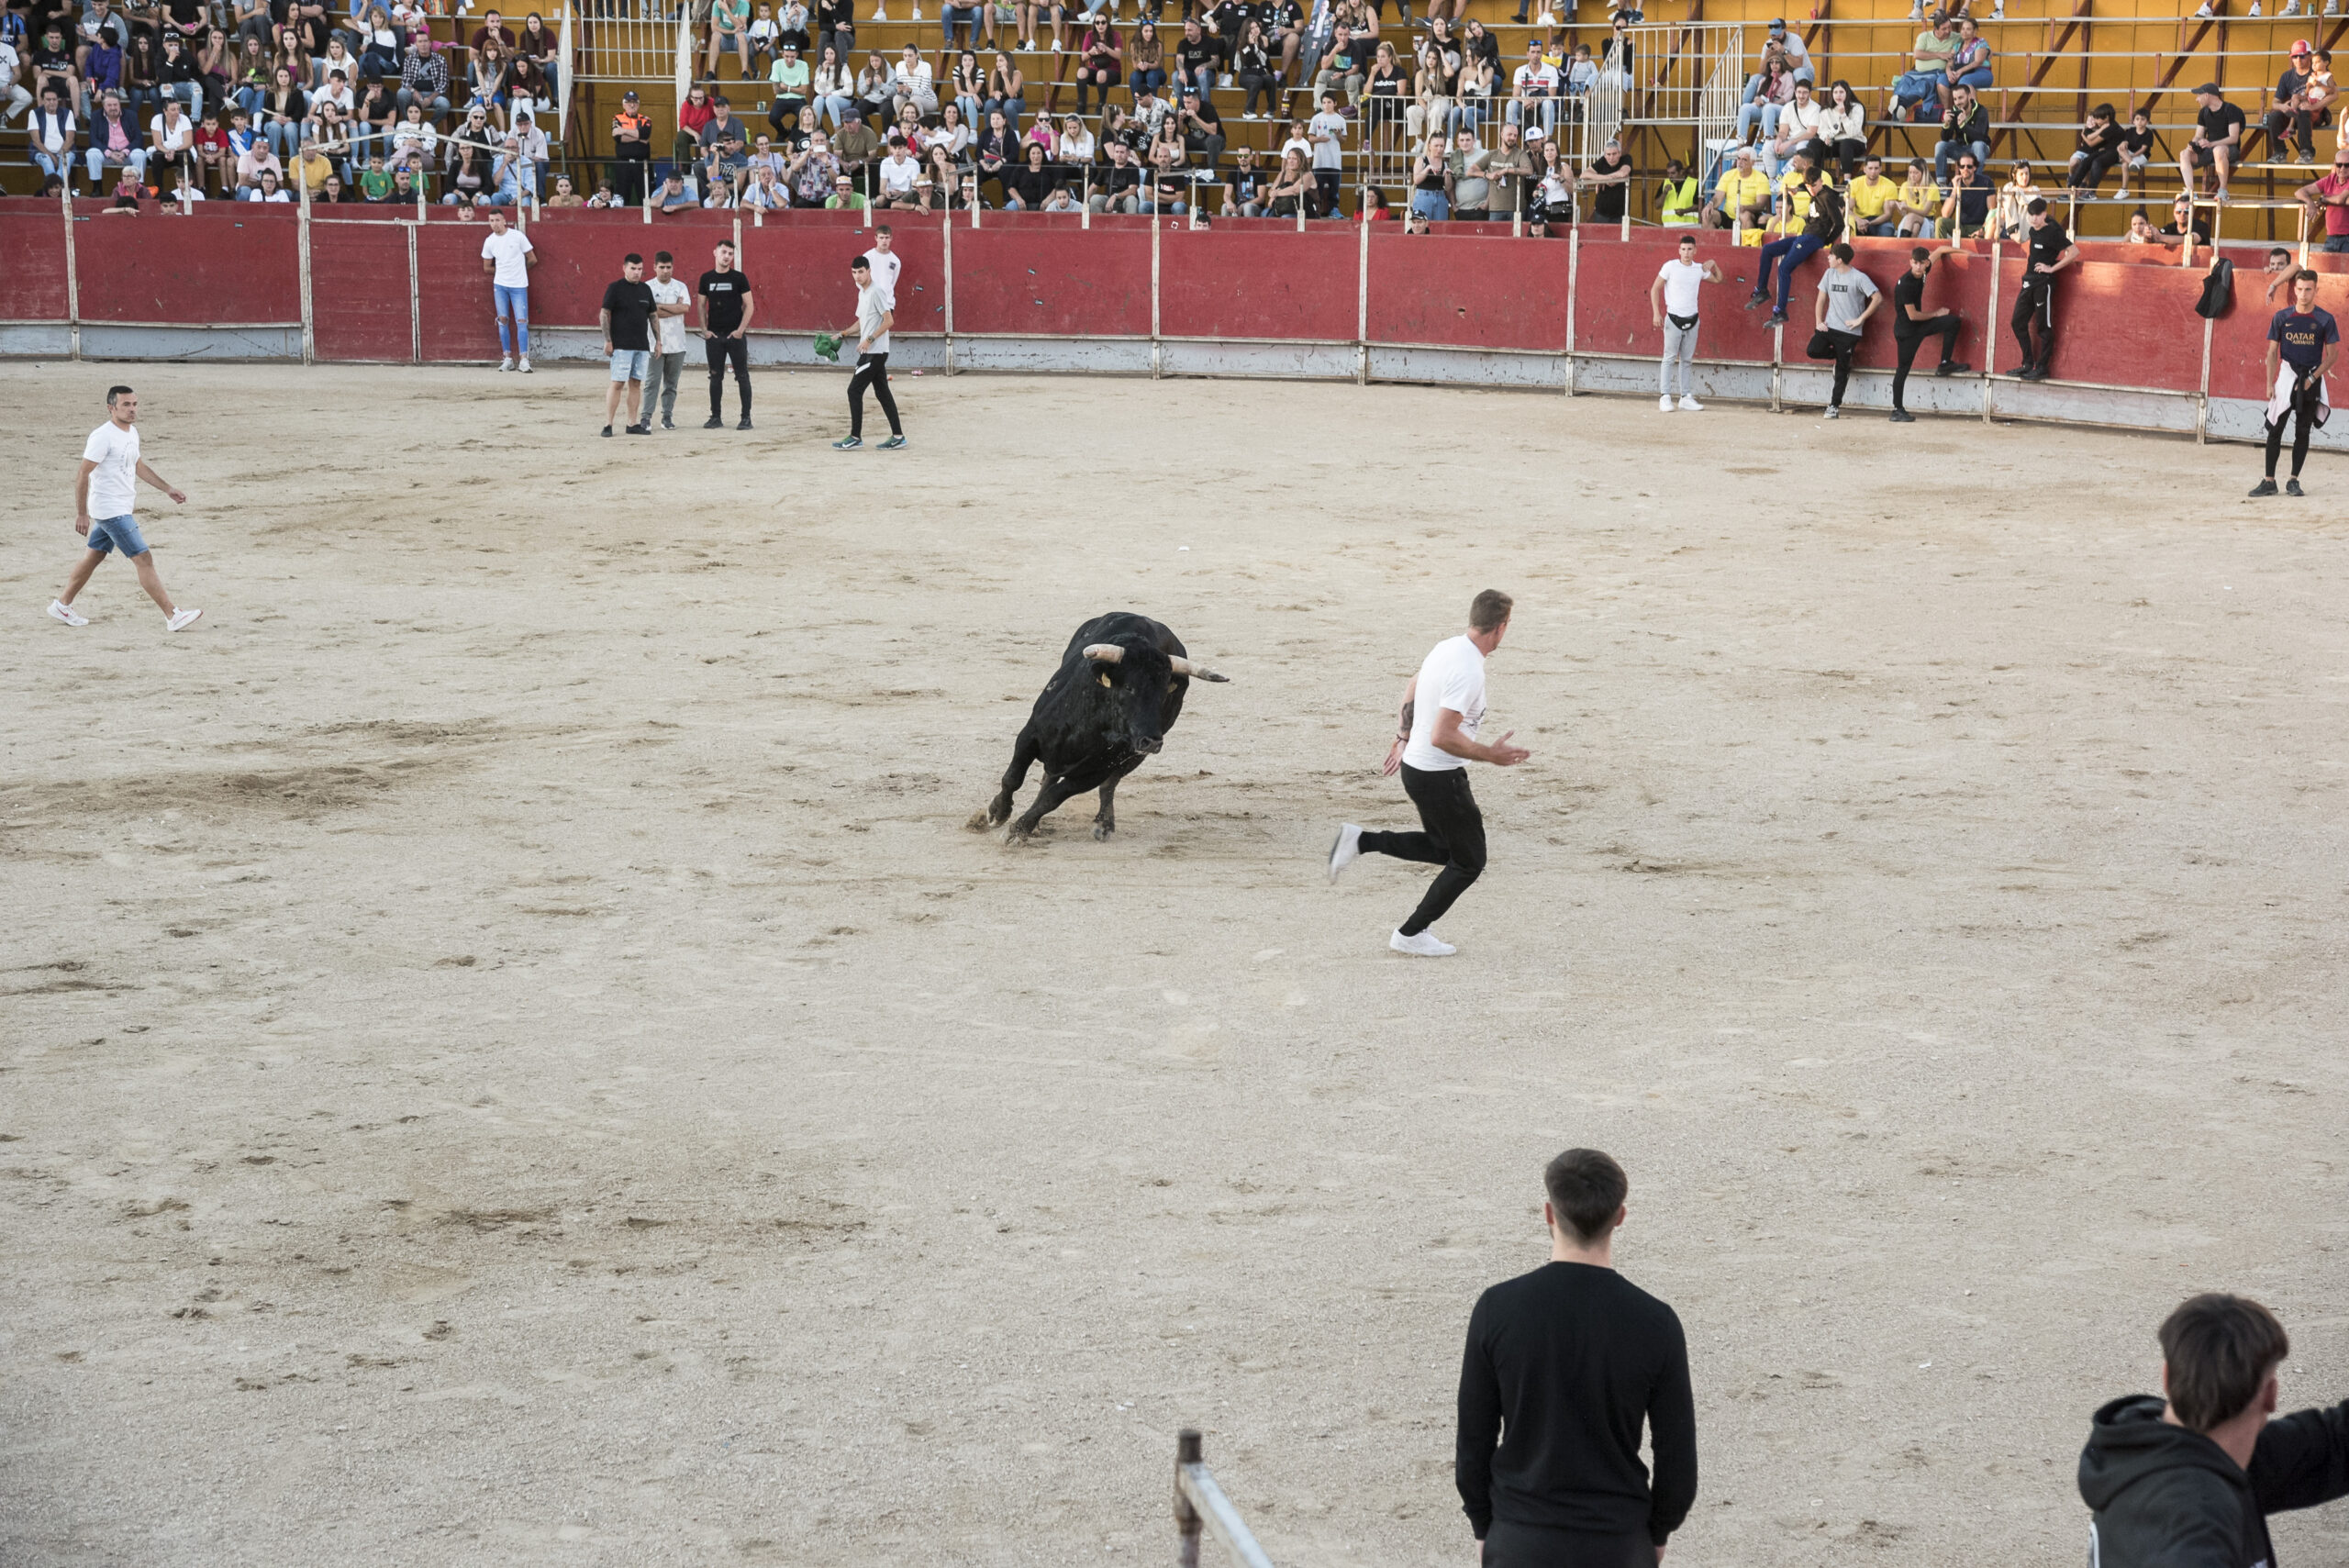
x: 1689, y: 404
x: 1663, y: 404
x: 506, y: 364
x: 1424, y: 945
x: 1343, y: 852
x: 1832, y: 412
x: 181, y: 620
x: 59, y: 610
x: 525, y: 366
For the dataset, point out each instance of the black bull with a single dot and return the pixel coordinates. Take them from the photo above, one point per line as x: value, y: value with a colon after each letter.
x: 1119, y: 691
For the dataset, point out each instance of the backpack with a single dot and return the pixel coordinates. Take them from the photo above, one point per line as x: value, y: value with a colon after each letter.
x: 2218, y: 290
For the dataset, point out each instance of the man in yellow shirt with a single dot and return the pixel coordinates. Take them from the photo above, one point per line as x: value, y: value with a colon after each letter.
x: 1868, y: 195
x: 1743, y: 197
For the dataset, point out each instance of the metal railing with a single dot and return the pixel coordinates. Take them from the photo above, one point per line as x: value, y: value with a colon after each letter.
x: 1200, y: 1506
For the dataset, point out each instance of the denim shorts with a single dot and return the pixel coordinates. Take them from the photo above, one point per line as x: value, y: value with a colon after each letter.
x: 632, y: 364
x: 117, y: 533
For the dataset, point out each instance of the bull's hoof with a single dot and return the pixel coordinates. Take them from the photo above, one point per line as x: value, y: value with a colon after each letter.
x: 1101, y: 831
x: 981, y: 820
x: 1015, y: 836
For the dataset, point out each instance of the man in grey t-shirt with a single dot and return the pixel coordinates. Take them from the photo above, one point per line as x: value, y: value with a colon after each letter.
x: 1847, y: 297
x: 1472, y: 190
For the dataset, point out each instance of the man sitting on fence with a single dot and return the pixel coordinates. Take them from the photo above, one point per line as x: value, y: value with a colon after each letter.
x: 1822, y: 226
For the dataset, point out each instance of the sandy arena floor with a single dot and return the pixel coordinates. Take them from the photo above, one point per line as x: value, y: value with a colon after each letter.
x: 510, y: 1054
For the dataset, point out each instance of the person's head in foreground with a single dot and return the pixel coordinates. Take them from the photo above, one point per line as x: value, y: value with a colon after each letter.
x: 1585, y: 1190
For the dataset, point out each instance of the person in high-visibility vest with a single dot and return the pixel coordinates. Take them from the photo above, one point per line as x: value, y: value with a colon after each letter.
x: 1678, y: 203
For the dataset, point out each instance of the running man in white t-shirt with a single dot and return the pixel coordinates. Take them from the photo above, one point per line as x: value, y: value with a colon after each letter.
x: 508, y: 258
x: 876, y: 314
x: 1442, y: 707
x: 104, y: 492
x: 1672, y: 300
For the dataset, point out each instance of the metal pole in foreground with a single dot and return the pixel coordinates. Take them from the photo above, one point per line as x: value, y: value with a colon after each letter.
x: 72, y: 276
x: 1186, y: 1518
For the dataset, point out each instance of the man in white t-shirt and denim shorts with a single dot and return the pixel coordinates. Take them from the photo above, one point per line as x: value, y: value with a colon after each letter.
x: 507, y: 257
x: 104, y: 495
x: 1442, y: 707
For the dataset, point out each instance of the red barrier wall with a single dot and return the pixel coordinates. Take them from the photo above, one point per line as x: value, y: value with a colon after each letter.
x: 239, y: 268
x: 359, y: 291
x: 33, y: 261
x: 1214, y: 282
x: 1092, y: 284
x: 1467, y: 290
x: 801, y: 282
x: 2124, y: 316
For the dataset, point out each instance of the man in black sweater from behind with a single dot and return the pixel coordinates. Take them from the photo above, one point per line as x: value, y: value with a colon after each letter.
x: 1564, y: 1367
x: 2187, y: 1481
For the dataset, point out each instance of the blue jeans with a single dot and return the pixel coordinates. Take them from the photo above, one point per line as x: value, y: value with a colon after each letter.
x: 284, y: 137
x: 513, y: 313
x: 1204, y: 79
x: 836, y: 106
x: 1152, y: 78
x: 1945, y: 150
x: 1785, y: 253
x: 1912, y: 86
x: 135, y: 160
x: 1012, y: 109
x: 2334, y: 244
x: 1432, y: 204
x: 1763, y: 114
x: 963, y: 17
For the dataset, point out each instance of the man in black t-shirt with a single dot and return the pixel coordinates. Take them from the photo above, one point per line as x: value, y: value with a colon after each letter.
x: 626, y: 320
x: 2286, y: 120
x: 1913, y: 325
x: 2050, y: 252
x: 1196, y: 56
x: 2302, y: 343
x: 2218, y: 137
x: 726, y: 307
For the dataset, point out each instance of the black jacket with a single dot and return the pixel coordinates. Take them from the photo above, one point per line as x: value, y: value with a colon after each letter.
x: 2168, y: 1497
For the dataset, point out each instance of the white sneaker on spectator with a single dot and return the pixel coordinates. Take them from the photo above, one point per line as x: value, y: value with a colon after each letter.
x: 1689, y: 404
x: 1424, y: 945
x: 1346, y: 850
x: 59, y: 610
x: 506, y: 364
x: 1663, y: 404
x: 525, y: 366
x: 2255, y: 9
x: 181, y: 620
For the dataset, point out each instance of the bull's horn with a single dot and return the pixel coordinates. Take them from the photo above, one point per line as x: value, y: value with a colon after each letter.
x: 1106, y: 652
x: 1197, y: 671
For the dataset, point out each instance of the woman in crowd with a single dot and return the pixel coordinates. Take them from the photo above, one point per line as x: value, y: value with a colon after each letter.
x: 379, y: 46
x: 1028, y: 184
x: 282, y: 108
x: 1471, y: 93
x: 1148, y: 60
x: 1429, y: 173
x: 949, y: 150
x: 996, y: 151
x: 1291, y: 190
x: 834, y: 88
x: 1007, y: 90
x: 1384, y: 90
x: 2015, y: 197
x: 1102, y: 59
x: 1843, y: 127
x: 876, y: 91
x: 465, y: 176
x: 1076, y: 147
x: 1431, y: 108
x: 1256, y: 74
x: 968, y: 85
x: 529, y: 91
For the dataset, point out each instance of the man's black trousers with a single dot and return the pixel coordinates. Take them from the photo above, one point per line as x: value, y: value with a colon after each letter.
x: 873, y: 370
x: 2301, y: 416
x: 1453, y: 838
x: 1945, y: 328
x: 2035, y: 302
x: 721, y: 351
x: 1531, y: 1546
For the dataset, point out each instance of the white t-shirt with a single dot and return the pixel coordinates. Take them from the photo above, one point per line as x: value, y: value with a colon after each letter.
x: 1452, y: 677
x: 871, y: 305
x: 114, y: 484
x: 507, y: 249
x: 1681, y: 279
x: 885, y: 265
x: 672, y: 328
x: 898, y: 175
x: 1329, y: 154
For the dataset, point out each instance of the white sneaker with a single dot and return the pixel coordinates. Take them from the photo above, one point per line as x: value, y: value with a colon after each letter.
x: 1424, y: 945
x: 181, y: 620
x: 525, y: 366
x: 1689, y: 404
x: 1833, y: 412
x: 2255, y: 9
x: 2203, y: 15
x: 506, y: 364
x: 59, y: 610
x: 1343, y: 852
x: 880, y: 13
x: 1663, y: 404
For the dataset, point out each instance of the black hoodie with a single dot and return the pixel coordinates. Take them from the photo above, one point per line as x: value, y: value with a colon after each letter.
x: 2168, y: 1497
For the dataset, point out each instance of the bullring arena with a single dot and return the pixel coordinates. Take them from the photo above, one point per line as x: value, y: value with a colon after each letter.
x: 512, y: 1054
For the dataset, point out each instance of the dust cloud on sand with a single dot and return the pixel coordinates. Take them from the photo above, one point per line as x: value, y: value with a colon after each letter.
x: 509, y: 1053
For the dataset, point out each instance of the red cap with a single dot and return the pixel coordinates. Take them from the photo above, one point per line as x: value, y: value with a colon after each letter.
x: 2300, y: 46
